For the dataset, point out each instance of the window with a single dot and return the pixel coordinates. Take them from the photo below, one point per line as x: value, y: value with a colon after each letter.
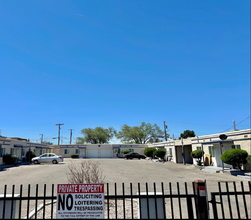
x: 211, y: 151
x: 66, y: 151
x: 23, y: 152
x: 170, y: 151
x: 12, y: 151
x: 77, y: 151
x: 237, y: 146
x: 2, y: 151
x: 198, y: 148
x: 132, y: 150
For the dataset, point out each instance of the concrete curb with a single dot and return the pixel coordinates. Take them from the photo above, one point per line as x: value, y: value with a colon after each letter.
x: 33, y: 212
x: 244, y: 177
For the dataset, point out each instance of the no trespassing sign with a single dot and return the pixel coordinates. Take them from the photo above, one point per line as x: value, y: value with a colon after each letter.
x: 80, y: 201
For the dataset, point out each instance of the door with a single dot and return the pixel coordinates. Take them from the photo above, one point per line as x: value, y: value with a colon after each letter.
x: 105, y: 153
x: 114, y: 152
x: 179, y: 158
x: 44, y: 158
x: 218, y: 152
x: 92, y: 153
x: 82, y: 153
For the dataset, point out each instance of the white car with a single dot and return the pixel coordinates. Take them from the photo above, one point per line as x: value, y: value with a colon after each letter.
x: 47, y: 158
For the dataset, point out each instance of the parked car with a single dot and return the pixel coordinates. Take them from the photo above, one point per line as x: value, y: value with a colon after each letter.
x: 48, y: 158
x: 132, y: 155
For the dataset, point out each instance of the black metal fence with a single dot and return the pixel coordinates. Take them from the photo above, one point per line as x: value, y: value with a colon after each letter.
x: 231, y: 203
x: 134, y: 201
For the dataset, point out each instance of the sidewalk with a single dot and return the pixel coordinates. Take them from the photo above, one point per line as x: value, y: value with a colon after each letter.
x: 4, y: 167
x: 237, y: 173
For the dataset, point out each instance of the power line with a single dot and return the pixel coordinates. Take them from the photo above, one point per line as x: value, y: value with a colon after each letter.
x: 236, y: 124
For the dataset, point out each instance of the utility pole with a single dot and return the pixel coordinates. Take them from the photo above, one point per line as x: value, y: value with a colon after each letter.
x: 183, y: 152
x: 59, y: 132
x: 234, y: 125
x: 165, y: 127
x: 70, y: 135
x: 42, y: 136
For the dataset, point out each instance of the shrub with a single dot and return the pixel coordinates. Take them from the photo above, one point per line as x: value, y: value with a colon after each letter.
x: 248, y: 159
x: 150, y: 151
x: 126, y: 151
x: 74, y: 156
x: 235, y: 157
x: 9, y: 159
x: 29, y: 155
x: 197, y: 154
x: 86, y: 172
x: 160, y: 153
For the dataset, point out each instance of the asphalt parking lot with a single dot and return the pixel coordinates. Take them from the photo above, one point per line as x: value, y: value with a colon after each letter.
x: 119, y: 171
x: 115, y: 171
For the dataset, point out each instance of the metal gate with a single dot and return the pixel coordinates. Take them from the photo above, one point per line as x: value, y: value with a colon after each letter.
x: 231, y: 203
x: 137, y: 201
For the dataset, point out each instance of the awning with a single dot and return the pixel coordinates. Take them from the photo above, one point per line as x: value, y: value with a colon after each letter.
x: 18, y: 145
x: 218, y: 142
x: 116, y: 146
x: 159, y: 146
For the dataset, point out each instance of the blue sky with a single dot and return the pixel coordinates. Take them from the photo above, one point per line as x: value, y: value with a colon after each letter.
x: 109, y: 63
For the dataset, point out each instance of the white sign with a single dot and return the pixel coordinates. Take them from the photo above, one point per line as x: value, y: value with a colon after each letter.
x: 202, y: 190
x: 80, y: 201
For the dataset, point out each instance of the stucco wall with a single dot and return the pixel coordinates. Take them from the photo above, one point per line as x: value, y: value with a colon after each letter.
x: 245, y: 145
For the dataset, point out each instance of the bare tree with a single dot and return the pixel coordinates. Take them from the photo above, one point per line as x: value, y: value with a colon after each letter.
x: 86, y: 172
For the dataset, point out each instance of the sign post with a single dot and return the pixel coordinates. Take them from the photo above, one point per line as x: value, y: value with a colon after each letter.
x: 222, y: 137
x: 80, y: 201
x: 201, y: 199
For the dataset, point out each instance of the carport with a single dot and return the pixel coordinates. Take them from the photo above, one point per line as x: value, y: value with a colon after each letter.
x: 187, y: 150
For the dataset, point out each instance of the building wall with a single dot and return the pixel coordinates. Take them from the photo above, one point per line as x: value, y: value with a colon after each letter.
x: 23, y: 148
x: 86, y: 150
x: 245, y: 145
x: 241, y: 138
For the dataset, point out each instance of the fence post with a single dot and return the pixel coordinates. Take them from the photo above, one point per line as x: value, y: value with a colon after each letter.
x: 201, y: 199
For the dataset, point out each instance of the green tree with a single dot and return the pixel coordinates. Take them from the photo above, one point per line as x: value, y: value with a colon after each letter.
x: 126, y: 151
x: 235, y: 157
x: 187, y: 133
x: 145, y: 133
x: 160, y: 153
x: 47, y: 142
x: 29, y: 155
x: 150, y: 151
x: 9, y: 159
x: 197, y: 154
x: 98, y: 135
